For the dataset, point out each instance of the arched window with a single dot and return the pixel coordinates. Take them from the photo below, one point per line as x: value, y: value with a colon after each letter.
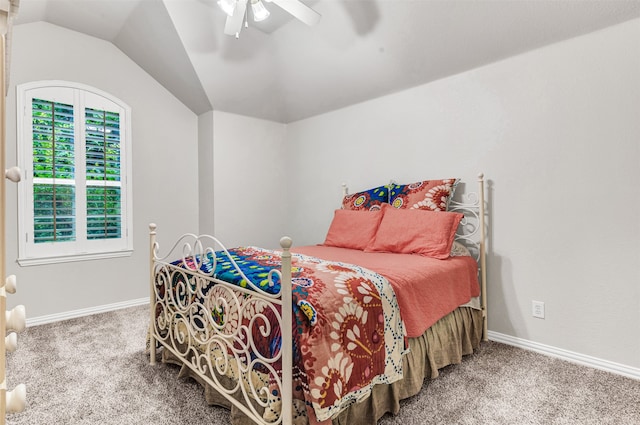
x: 74, y: 147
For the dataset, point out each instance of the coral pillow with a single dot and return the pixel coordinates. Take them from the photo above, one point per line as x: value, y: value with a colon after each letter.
x: 412, y: 231
x: 433, y: 195
x: 368, y: 200
x: 353, y: 229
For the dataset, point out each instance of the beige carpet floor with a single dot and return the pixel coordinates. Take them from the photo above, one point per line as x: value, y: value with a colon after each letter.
x: 93, y: 371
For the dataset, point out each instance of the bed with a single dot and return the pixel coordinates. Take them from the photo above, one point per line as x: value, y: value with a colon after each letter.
x: 332, y: 333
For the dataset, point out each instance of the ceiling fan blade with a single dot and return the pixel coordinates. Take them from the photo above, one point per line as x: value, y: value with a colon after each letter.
x: 299, y: 10
x: 233, y: 26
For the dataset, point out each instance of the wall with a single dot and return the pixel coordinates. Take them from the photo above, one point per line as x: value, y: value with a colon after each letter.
x: 250, y: 172
x: 164, y: 156
x: 206, y: 202
x: 556, y: 131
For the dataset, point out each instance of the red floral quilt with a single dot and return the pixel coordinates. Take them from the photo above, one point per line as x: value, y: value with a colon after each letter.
x: 348, y: 333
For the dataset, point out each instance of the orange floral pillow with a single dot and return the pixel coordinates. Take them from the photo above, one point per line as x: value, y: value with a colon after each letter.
x: 432, y: 195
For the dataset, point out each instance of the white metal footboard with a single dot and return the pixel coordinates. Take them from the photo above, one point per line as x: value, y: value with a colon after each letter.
x: 223, y: 353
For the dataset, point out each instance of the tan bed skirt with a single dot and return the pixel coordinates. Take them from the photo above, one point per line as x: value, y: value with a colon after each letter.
x: 443, y: 344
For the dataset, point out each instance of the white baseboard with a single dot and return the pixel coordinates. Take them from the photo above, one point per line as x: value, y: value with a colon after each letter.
x: 570, y: 356
x: 50, y: 318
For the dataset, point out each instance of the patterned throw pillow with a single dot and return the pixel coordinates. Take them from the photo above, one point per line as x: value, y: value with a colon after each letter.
x: 432, y: 195
x: 369, y: 200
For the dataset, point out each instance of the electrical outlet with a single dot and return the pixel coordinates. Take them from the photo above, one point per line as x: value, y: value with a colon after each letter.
x: 537, y: 309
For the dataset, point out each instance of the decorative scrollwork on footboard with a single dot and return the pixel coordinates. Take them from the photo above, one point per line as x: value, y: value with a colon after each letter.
x: 228, y: 335
x: 197, y: 253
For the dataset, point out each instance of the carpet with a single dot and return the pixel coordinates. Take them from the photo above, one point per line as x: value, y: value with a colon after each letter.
x: 93, y: 370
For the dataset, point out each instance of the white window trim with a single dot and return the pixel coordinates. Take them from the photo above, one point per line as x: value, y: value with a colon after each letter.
x: 90, y: 249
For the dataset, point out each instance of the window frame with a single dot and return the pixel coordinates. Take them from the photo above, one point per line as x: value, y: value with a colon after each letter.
x: 81, y: 96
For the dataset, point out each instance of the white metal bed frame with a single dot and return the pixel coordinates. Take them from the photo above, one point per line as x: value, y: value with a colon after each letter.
x: 181, y: 315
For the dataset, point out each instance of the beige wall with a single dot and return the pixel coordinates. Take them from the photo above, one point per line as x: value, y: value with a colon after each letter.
x: 557, y: 133
x: 165, y: 166
x: 250, y: 173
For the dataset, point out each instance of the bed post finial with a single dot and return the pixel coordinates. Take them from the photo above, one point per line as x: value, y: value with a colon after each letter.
x: 480, y: 176
x: 286, y: 329
x: 345, y: 190
x: 286, y: 242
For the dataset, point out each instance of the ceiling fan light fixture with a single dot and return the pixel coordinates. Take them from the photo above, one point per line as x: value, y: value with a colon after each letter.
x: 228, y: 6
x: 260, y: 13
x: 238, y: 16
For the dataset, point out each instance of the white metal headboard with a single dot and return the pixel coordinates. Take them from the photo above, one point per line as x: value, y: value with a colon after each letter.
x: 471, y: 233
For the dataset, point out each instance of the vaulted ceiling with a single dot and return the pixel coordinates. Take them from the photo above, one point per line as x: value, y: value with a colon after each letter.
x: 283, y: 70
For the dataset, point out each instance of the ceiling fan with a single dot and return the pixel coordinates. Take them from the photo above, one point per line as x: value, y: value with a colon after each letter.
x: 237, y: 12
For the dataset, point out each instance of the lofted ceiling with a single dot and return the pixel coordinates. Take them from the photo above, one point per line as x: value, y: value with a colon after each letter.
x: 283, y: 70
